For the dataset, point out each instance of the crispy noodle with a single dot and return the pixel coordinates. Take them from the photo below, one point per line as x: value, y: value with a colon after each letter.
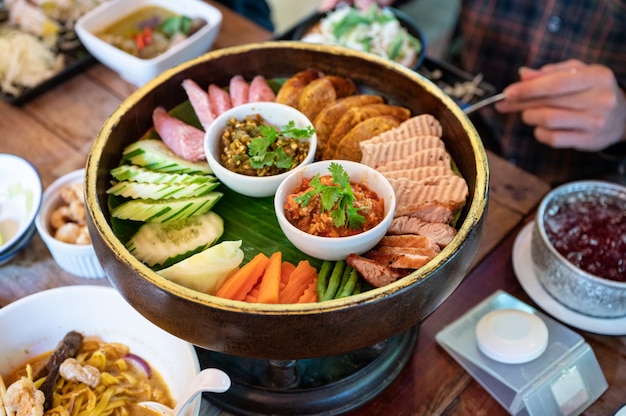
x: 25, y: 62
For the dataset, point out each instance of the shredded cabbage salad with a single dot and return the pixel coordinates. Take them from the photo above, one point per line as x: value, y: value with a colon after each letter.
x: 30, y: 43
x: 375, y: 30
x: 26, y: 61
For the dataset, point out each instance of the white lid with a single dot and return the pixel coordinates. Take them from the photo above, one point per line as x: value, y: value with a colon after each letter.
x: 511, y: 336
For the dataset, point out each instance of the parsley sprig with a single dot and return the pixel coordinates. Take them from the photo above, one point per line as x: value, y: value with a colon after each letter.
x: 337, y: 198
x: 260, y: 147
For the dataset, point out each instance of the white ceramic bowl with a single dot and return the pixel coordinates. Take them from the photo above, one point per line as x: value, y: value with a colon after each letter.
x: 77, y: 259
x: 274, y: 113
x: 327, y: 248
x: 572, y: 286
x: 135, y: 70
x: 20, y: 198
x: 93, y: 311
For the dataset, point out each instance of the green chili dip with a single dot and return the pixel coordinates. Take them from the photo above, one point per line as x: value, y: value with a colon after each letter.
x: 253, y: 147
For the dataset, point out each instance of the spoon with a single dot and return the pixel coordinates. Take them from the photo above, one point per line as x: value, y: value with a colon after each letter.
x: 207, y: 380
x: 482, y: 103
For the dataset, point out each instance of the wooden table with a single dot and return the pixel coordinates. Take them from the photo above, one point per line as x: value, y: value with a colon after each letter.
x: 56, y: 130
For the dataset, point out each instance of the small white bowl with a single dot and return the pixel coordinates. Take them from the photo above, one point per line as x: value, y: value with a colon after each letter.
x: 77, y: 259
x: 328, y: 248
x: 274, y: 113
x: 135, y: 70
x: 20, y: 199
x: 94, y: 311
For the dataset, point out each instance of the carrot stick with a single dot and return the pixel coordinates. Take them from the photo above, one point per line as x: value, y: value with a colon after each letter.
x: 270, y: 282
x: 238, y: 285
x: 299, y: 280
x: 310, y: 293
x: 253, y: 295
x: 285, y: 271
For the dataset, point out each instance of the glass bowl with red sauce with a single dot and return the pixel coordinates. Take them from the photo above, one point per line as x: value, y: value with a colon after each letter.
x: 579, y: 247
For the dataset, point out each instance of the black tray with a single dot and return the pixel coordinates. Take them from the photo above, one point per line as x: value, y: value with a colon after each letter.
x: 76, y: 60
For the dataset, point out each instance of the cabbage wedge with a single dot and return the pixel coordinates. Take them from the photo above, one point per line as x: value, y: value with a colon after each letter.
x: 207, y: 270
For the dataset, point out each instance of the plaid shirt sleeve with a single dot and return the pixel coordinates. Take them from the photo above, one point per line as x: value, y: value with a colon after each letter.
x: 499, y: 36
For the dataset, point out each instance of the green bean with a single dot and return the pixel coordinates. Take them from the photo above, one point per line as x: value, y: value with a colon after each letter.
x: 358, y: 287
x: 333, y: 282
x: 344, y: 279
x: 322, y: 278
x: 348, y: 289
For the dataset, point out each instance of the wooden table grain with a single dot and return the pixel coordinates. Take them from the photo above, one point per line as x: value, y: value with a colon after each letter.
x: 55, y: 132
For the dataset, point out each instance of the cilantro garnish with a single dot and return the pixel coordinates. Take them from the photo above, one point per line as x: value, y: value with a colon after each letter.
x: 262, y: 149
x: 337, y: 198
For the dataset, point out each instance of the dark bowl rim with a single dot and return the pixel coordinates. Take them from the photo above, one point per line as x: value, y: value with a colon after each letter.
x: 476, y: 210
x: 405, y: 20
x: 539, y: 227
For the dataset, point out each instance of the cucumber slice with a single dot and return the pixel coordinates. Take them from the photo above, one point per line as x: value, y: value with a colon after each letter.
x: 155, y: 155
x: 164, y: 210
x: 141, y: 190
x: 158, y: 243
x: 136, y: 173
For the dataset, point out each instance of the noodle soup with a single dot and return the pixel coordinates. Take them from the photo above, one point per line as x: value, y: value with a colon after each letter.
x: 96, y: 313
x: 124, y: 379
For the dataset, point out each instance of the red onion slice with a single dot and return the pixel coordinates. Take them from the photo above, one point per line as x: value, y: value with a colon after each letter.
x: 140, y: 362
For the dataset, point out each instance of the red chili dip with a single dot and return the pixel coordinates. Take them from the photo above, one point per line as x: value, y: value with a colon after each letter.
x: 312, y: 220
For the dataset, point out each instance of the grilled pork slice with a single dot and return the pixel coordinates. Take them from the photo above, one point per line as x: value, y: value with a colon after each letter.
x: 380, y: 153
x: 427, y: 157
x: 417, y: 174
x: 432, y: 212
x: 376, y: 274
x: 450, y: 190
x: 440, y: 233
x: 409, y: 241
x: 401, y: 257
x: 423, y: 124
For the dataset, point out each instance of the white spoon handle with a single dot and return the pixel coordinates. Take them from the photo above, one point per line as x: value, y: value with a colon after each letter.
x: 208, y: 380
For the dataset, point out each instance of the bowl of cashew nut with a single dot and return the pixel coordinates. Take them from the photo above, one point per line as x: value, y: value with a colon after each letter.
x: 61, y: 223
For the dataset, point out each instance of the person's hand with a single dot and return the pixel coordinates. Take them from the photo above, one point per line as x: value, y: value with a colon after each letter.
x: 361, y: 4
x: 570, y: 104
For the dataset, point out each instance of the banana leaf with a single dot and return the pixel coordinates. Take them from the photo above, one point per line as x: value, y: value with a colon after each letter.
x: 251, y: 220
